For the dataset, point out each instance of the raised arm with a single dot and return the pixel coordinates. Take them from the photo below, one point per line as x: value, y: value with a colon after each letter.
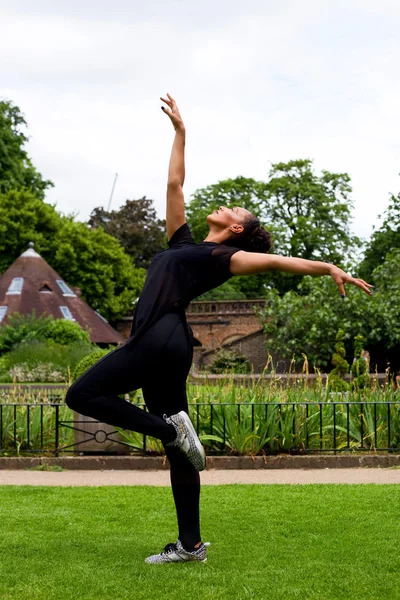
x: 176, y: 173
x: 251, y: 263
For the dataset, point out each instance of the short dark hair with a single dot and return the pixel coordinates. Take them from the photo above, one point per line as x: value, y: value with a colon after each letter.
x: 254, y: 238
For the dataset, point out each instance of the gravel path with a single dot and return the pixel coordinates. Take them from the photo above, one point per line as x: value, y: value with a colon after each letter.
x: 211, y: 477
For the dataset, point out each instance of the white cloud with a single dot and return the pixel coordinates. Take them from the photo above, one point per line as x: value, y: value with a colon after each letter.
x: 256, y: 82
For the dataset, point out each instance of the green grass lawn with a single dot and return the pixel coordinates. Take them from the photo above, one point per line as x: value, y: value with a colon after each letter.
x: 270, y: 542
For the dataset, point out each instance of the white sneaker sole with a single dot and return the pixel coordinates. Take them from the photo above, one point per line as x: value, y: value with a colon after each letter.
x: 197, y: 442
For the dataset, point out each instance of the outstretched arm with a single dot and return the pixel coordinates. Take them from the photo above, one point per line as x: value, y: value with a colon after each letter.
x: 251, y: 263
x: 176, y: 173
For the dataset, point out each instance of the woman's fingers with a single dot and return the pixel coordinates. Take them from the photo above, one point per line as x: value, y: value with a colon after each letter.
x: 171, y: 102
x: 361, y: 284
x: 367, y: 284
x: 354, y: 281
x: 341, y: 288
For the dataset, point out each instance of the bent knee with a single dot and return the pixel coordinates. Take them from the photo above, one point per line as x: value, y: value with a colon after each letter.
x: 73, y: 398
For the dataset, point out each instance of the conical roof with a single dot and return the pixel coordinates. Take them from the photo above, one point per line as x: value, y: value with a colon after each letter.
x: 30, y: 283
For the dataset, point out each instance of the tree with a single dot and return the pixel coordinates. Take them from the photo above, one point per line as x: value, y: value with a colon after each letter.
x: 88, y: 258
x: 136, y: 226
x: 307, y: 321
x: 308, y: 215
x: 383, y: 240
x: 16, y: 168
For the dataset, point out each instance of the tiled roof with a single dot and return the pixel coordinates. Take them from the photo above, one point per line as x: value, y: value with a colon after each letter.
x: 41, y: 293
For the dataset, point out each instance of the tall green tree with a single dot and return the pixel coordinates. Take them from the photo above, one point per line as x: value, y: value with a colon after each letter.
x: 384, y: 240
x: 16, y: 168
x: 88, y: 258
x: 136, y: 226
x: 309, y: 215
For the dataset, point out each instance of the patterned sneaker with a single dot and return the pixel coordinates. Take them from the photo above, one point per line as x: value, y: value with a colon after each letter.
x: 186, y: 439
x: 177, y: 553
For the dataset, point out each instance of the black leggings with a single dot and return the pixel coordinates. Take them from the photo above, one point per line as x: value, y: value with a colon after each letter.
x: 158, y: 363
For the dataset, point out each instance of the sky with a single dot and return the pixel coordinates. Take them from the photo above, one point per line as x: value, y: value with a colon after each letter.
x: 257, y: 82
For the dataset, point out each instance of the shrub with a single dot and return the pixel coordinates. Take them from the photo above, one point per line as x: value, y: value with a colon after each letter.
x: 360, y: 366
x: 52, y: 358
x: 39, y: 373
x: 25, y: 328
x: 22, y: 328
x: 230, y: 360
x: 336, y: 376
x: 62, y: 331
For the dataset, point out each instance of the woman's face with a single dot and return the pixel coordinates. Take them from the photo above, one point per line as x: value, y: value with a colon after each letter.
x: 224, y: 217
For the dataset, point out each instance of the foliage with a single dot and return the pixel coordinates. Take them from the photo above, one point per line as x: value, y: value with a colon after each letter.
x: 62, y: 331
x: 226, y: 359
x: 341, y: 366
x: 241, y: 191
x: 25, y: 218
x: 87, y: 258
x: 96, y: 262
x: 136, y: 226
x: 386, y: 301
x: 307, y: 322
x: 26, y: 328
x: 226, y: 291
x: 270, y: 417
x: 308, y: 215
x: 22, y: 328
x: 16, y: 168
x: 383, y: 241
x: 38, y: 373
x: 42, y: 361
x: 360, y: 366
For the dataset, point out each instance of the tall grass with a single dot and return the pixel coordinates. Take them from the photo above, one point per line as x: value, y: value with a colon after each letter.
x: 260, y: 418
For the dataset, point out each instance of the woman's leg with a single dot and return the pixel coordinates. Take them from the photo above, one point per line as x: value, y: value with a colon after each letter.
x: 166, y: 393
x: 96, y: 393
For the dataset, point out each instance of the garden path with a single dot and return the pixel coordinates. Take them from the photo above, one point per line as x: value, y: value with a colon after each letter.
x: 211, y: 477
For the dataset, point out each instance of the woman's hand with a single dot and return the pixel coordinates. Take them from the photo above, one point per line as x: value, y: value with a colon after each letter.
x: 340, y: 278
x: 173, y: 113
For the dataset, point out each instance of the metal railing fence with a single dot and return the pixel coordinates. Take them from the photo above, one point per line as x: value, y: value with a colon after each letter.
x: 224, y: 428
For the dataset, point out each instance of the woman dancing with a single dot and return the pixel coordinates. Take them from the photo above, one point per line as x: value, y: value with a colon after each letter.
x: 158, y: 355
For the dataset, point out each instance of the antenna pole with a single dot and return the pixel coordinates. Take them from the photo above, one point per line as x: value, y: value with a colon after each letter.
x: 112, y: 192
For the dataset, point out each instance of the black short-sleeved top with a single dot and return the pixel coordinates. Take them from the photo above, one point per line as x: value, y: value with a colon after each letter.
x: 178, y: 275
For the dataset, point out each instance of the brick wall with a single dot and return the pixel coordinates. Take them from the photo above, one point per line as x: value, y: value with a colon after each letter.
x: 213, y: 323
x: 254, y: 346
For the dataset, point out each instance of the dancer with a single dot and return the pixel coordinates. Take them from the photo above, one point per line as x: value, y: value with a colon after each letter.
x: 158, y: 355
